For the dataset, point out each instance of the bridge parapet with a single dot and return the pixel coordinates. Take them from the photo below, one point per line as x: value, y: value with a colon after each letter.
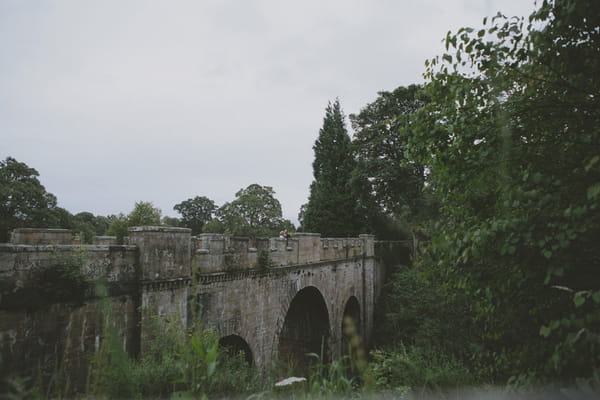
x: 164, y: 251
x: 33, y: 236
x: 341, y: 248
x: 153, y: 276
x: 369, y: 244
x: 220, y: 253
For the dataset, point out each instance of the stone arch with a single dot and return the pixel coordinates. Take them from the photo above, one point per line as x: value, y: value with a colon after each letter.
x: 351, y: 327
x: 235, y: 345
x: 306, y: 329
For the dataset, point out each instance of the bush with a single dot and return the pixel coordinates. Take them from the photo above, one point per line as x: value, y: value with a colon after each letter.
x: 416, y: 310
x: 178, y: 362
x: 417, y: 369
x: 234, y: 376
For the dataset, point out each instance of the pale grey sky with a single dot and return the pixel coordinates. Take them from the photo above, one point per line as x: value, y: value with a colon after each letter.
x: 117, y: 101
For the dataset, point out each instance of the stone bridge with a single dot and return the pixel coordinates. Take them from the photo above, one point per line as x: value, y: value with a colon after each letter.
x: 271, y: 298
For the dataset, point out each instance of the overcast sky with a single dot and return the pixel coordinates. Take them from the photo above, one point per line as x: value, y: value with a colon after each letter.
x: 119, y: 101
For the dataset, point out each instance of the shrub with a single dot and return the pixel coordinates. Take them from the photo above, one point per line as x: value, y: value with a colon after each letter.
x: 417, y: 369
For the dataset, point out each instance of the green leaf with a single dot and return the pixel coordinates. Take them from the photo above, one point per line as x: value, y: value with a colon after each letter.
x: 591, y: 163
x: 593, y: 191
x: 545, y: 331
x: 579, y: 299
x: 547, y: 253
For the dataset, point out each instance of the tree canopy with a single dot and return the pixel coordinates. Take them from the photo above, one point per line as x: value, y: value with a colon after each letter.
x: 380, y: 145
x: 24, y: 201
x: 144, y: 213
x: 254, y: 212
x: 512, y: 137
x: 196, y: 212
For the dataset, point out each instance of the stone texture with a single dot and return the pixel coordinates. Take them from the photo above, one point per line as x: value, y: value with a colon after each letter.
x: 213, y: 279
x: 105, y: 240
x: 41, y: 236
x: 164, y: 251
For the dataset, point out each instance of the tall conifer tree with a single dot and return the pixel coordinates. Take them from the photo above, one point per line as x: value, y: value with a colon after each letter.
x: 331, y: 209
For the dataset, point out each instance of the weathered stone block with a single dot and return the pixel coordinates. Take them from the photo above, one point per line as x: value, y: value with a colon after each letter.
x: 41, y: 236
x: 164, y: 252
x: 104, y: 240
x: 368, y: 244
x: 309, y: 247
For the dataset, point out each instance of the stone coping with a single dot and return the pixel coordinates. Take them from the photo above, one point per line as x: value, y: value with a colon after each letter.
x: 167, y: 229
x: 222, y: 276
x: 42, y: 230
x: 31, y: 248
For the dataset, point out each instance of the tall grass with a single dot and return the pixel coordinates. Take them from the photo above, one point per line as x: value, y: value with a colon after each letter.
x: 178, y: 363
x: 417, y: 370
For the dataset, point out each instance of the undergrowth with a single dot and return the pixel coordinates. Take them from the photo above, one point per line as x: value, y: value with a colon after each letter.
x: 177, y: 363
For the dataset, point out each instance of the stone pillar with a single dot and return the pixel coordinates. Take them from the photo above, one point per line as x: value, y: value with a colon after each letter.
x: 165, y: 271
x: 309, y: 247
x: 368, y: 244
x: 212, y: 241
x: 164, y: 251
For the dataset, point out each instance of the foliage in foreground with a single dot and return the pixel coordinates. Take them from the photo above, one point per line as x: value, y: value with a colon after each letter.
x: 511, y: 138
x: 417, y: 369
x: 178, y: 363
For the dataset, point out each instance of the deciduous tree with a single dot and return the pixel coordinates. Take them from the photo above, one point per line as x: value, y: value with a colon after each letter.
x: 196, y: 212
x: 144, y: 213
x: 380, y: 144
x: 254, y: 212
x: 512, y: 137
x: 24, y: 201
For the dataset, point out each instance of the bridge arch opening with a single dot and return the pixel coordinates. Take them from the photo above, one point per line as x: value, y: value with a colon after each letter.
x: 305, y: 330
x: 234, y: 346
x: 352, y: 329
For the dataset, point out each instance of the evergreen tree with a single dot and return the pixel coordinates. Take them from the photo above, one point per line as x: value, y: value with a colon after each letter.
x: 331, y: 209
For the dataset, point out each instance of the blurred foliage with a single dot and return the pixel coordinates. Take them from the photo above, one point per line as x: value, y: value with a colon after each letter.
x: 511, y: 138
